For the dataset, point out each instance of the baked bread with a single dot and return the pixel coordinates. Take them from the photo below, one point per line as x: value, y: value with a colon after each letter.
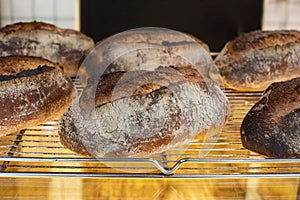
x: 63, y: 46
x: 272, y: 126
x: 137, y: 113
x: 32, y: 90
x: 146, y: 49
x: 254, y: 60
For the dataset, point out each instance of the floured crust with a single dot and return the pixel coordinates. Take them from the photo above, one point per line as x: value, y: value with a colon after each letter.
x: 124, y: 84
x: 272, y: 126
x: 257, y: 40
x: 145, y: 50
x: 144, y: 113
x: 63, y: 46
x: 32, y: 98
x: 255, y: 60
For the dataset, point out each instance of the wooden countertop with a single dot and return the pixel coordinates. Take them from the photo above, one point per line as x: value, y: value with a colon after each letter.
x: 165, y: 188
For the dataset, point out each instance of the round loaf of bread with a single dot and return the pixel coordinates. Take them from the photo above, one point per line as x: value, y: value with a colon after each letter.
x: 255, y: 60
x: 145, y: 49
x: 137, y: 113
x: 32, y: 91
x: 272, y: 126
x: 63, y: 46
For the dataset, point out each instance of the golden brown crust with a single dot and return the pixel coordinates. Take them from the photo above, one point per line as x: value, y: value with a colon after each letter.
x: 12, y: 65
x: 63, y: 46
x: 33, y: 98
x: 255, y: 60
x: 272, y: 126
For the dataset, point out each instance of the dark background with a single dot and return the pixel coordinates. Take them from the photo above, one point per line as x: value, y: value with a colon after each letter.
x: 213, y: 21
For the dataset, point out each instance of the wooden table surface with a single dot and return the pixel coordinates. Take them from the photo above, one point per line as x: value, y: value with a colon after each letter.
x: 162, y: 188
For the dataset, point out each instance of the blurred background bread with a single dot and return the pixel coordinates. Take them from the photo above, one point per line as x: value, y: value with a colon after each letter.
x: 255, y: 60
x: 65, y: 47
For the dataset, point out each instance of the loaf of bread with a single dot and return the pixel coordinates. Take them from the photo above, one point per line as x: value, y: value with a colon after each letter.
x: 272, y: 126
x: 32, y: 91
x: 254, y: 60
x: 137, y: 113
x: 146, y: 49
x: 63, y: 46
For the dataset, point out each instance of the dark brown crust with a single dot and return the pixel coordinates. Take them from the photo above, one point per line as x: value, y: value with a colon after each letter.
x: 272, y: 126
x: 162, y: 109
x: 262, y: 39
x: 31, y: 100
x: 255, y: 60
x: 30, y: 26
x: 63, y: 46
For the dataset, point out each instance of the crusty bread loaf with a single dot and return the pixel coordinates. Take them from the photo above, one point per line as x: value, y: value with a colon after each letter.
x: 139, y: 113
x: 63, y: 46
x: 272, y: 126
x: 254, y: 60
x: 32, y: 90
x: 146, y: 49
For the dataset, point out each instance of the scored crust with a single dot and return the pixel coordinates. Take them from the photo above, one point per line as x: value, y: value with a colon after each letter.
x: 124, y: 84
x: 32, y: 92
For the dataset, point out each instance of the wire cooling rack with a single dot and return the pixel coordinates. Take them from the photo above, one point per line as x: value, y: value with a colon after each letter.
x: 38, y: 152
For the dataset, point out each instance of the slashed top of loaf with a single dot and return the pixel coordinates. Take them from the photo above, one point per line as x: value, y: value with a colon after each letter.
x: 262, y: 39
x: 117, y: 85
